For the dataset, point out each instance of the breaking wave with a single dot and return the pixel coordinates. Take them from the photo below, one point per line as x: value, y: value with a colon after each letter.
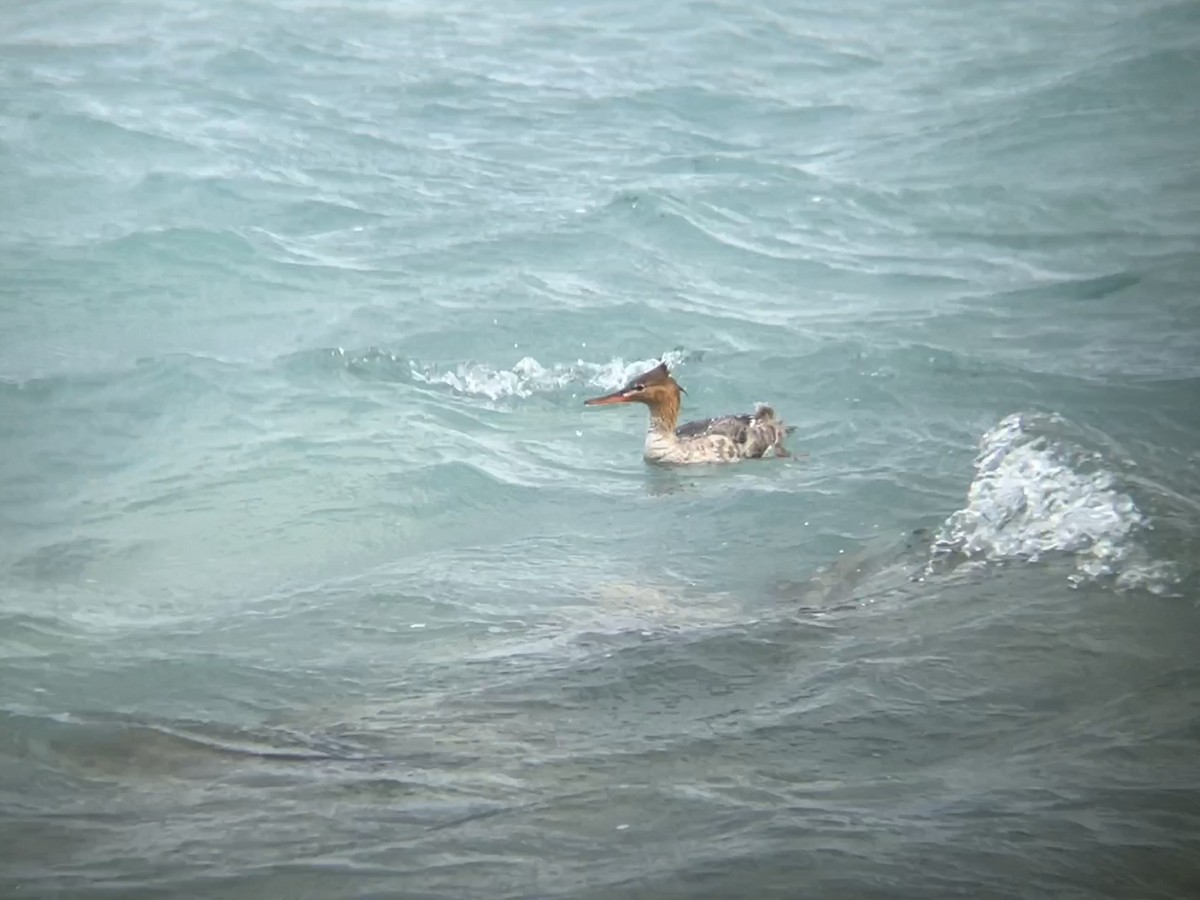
x: 525, y: 378
x: 529, y: 377
x: 1037, y: 492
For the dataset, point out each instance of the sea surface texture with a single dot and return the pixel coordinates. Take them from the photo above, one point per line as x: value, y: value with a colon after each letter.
x: 317, y: 579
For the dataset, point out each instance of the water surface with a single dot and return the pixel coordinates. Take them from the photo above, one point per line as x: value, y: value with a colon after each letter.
x: 317, y: 579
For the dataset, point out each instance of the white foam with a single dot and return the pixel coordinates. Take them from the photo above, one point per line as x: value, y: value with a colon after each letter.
x: 529, y: 377
x: 1036, y: 494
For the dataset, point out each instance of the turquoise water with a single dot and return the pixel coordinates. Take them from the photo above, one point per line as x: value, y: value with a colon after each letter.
x: 317, y: 579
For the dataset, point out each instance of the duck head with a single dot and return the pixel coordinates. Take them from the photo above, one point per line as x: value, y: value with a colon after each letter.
x: 656, y: 388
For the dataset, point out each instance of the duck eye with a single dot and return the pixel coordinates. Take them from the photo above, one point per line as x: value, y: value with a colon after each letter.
x: 638, y: 387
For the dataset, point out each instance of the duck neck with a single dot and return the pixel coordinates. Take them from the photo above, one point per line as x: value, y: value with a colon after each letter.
x: 664, y: 415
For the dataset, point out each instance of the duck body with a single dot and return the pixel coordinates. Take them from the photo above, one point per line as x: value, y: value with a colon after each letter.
x: 719, y: 440
x: 723, y: 439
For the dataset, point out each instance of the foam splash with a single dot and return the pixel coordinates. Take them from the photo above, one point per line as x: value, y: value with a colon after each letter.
x: 529, y: 377
x: 1036, y: 494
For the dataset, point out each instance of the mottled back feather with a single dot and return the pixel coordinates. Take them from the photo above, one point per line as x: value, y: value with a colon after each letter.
x: 733, y: 427
x: 754, y: 434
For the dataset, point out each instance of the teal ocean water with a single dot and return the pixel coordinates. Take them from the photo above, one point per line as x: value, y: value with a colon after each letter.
x: 317, y: 579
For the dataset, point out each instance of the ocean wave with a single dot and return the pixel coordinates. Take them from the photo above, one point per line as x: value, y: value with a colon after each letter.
x: 529, y: 377
x: 370, y: 364
x: 183, y: 245
x: 145, y: 376
x: 1039, y: 491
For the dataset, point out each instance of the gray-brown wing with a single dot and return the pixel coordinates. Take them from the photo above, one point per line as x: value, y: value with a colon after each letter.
x: 735, y: 428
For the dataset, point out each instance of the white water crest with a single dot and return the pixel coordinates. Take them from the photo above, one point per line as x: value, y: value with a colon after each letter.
x: 1036, y: 493
x: 528, y: 377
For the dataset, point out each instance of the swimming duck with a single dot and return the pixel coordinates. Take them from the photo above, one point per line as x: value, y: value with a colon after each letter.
x: 723, y: 439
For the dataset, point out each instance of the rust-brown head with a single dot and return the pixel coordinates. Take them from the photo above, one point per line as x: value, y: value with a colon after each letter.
x: 656, y: 388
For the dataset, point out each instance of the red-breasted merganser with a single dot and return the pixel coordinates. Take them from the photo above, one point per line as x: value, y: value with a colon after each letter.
x: 723, y: 439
